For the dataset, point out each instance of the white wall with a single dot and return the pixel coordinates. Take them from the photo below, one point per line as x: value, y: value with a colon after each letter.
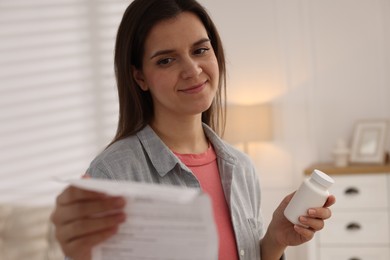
x: 324, y: 64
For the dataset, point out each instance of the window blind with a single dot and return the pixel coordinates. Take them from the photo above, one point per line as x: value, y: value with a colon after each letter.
x: 58, y: 104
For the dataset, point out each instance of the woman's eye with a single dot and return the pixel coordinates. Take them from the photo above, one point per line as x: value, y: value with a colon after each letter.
x: 165, y: 61
x: 201, y: 51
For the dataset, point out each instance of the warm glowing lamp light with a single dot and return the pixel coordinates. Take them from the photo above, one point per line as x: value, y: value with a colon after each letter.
x: 248, y: 123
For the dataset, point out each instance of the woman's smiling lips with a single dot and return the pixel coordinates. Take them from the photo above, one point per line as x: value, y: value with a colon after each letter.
x: 194, y: 89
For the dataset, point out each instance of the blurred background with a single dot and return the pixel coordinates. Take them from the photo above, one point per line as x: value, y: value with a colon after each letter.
x: 323, y: 66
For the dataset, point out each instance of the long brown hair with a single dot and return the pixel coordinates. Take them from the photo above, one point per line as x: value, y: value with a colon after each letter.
x: 135, y: 105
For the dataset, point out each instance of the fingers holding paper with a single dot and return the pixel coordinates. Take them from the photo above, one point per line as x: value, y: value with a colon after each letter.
x: 84, y: 218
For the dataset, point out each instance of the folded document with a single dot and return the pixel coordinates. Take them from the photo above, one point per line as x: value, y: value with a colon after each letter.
x: 163, y: 223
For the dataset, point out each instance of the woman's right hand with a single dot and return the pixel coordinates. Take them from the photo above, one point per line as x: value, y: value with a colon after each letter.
x: 82, y: 221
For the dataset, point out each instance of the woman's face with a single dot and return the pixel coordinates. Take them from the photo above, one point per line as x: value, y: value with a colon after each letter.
x: 180, y: 68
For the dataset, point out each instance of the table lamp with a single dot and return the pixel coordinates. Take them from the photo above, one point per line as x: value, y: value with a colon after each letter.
x: 248, y: 123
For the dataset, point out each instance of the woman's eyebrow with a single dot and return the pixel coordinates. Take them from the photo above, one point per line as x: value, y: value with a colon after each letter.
x: 162, y: 52
x: 203, y: 40
x: 168, y: 51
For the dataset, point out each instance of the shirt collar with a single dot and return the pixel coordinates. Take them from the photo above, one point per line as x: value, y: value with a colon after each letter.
x: 164, y: 160
x: 221, y: 148
x: 159, y: 154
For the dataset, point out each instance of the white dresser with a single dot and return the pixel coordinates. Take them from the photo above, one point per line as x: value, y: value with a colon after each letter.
x: 360, y: 226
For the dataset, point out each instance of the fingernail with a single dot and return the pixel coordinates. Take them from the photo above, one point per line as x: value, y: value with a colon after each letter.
x: 312, y: 212
x: 303, y: 219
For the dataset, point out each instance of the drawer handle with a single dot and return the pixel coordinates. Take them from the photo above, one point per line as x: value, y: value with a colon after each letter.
x: 353, y: 227
x: 351, y: 191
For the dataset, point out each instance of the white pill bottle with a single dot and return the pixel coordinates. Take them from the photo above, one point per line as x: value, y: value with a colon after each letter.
x: 312, y: 193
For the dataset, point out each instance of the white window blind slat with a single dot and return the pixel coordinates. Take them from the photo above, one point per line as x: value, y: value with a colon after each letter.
x: 21, y: 42
x: 69, y: 77
x: 58, y: 101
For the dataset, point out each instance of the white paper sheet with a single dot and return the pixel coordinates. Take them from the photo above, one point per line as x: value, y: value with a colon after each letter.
x: 163, y: 223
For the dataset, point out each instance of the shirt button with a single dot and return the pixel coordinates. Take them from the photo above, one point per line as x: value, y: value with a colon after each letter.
x: 242, y: 252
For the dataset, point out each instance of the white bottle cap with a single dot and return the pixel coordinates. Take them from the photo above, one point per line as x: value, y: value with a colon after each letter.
x: 322, y: 178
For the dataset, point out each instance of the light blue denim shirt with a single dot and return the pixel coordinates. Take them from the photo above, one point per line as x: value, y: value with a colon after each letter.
x: 145, y: 158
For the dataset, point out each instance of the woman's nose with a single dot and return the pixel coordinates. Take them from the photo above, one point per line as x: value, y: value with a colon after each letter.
x: 191, y: 68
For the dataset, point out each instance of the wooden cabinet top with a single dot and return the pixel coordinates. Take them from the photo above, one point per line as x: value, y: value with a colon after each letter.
x: 330, y: 169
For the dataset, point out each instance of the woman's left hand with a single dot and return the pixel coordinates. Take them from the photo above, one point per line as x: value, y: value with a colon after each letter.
x: 287, y: 234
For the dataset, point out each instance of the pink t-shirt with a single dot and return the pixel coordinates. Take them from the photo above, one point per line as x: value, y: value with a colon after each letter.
x: 205, y: 168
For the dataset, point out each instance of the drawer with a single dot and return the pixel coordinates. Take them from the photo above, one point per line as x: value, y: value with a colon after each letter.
x: 360, y: 191
x: 355, y: 253
x: 356, y: 228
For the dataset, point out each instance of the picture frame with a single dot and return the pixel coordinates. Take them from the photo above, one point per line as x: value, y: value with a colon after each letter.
x: 369, y: 141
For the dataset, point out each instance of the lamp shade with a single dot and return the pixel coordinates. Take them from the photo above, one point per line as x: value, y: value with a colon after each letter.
x: 248, y: 123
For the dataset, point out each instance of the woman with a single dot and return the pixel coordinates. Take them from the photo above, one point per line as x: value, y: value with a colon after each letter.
x: 170, y: 71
